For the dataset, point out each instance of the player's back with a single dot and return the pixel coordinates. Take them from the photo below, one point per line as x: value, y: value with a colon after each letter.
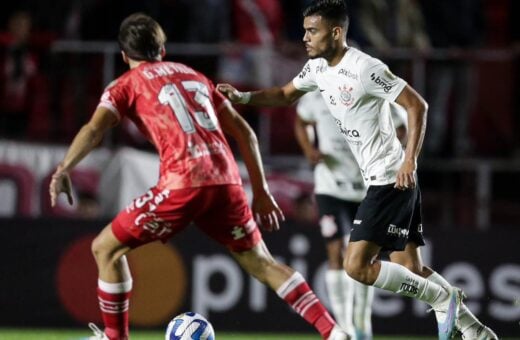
x: 175, y: 108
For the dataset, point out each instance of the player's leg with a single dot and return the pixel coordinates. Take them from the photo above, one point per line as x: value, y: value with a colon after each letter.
x: 467, y: 324
x: 363, y: 298
x: 361, y: 265
x: 158, y: 214
x: 383, y: 222
x: 230, y: 222
x: 114, y: 283
x: 289, y: 285
x: 340, y: 287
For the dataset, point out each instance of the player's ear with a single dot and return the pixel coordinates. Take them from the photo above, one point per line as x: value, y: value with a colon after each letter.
x: 125, y: 57
x: 163, y: 51
x: 337, y: 32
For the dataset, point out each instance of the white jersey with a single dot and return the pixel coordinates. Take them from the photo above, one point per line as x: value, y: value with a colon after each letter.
x: 338, y: 174
x: 360, y: 92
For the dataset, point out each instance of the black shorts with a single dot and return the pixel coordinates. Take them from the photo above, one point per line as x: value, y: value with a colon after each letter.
x: 389, y: 217
x: 336, y: 216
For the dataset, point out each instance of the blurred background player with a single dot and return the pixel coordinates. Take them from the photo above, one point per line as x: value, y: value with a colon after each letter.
x: 177, y: 109
x: 338, y: 188
x: 359, y: 91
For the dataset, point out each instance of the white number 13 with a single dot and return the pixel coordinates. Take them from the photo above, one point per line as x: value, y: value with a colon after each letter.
x: 170, y: 95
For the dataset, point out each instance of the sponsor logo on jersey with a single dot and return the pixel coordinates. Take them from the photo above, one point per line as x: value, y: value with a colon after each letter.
x: 321, y: 68
x: 204, y: 149
x: 349, y: 133
x: 332, y: 100
x: 396, y: 231
x: 381, y: 82
x: 347, y: 73
x: 345, y: 95
x: 304, y: 72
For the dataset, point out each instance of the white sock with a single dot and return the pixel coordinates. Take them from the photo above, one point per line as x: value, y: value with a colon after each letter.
x: 398, y: 279
x: 467, y: 322
x: 341, y: 295
x: 363, y: 297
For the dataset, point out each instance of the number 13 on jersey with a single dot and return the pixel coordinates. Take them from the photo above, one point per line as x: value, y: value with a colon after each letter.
x: 170, y: 95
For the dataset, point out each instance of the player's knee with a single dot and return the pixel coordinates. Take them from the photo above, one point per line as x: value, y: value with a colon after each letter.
x: 356, y: 268
x: 101, y: 250
x: 412, y: 266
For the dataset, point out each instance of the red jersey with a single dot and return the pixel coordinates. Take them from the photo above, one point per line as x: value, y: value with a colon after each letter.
x: 175, y: 107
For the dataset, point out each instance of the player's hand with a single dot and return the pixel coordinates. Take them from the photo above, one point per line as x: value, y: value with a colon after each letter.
x: 314, y: 156
x: 60, y: 182
x: 231, y: 93
x: 406, y: 176
x: 267, y: 212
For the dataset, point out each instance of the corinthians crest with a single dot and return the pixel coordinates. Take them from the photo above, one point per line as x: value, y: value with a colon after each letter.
x: 345, y: 94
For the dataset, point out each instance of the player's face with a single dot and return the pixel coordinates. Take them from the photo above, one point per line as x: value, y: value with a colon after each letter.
x: 318, y: 38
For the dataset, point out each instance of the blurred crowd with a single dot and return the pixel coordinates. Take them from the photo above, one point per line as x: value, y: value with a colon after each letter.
x: 474, y: 108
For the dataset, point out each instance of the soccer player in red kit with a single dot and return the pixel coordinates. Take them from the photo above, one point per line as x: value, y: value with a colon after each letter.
x: 182, y: 114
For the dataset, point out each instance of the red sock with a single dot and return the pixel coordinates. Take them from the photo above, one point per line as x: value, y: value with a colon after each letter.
x: 113, y: 303
x: 297, y: 293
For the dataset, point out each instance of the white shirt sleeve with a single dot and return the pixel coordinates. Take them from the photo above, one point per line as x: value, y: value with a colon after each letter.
x: 306, y: 79
x: 379, y: 81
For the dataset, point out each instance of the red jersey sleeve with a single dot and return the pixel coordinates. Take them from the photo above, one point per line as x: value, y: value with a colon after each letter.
x: 116, y: 98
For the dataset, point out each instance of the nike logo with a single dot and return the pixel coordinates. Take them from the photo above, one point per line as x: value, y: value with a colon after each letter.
x: 321, y: 90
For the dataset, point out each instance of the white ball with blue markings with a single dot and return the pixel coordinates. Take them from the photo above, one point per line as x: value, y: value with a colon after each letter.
x: 189, y: 326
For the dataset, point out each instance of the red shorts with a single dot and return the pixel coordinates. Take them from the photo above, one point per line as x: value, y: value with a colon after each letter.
x: 220, y: 211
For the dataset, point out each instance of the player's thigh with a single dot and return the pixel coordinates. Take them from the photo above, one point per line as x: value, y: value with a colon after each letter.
x: 230, y: 221
x: 384, y: 217
x: 156, y: 215
x: 333, y: 219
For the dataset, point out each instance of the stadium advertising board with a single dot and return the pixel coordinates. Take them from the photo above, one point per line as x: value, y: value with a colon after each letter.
x: 50, y: 269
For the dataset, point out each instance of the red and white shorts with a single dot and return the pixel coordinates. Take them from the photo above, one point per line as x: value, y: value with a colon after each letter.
x: 220, y: 211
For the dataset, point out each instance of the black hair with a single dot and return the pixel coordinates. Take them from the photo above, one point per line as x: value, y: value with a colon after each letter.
x: 334, y: 11
x: 141, y: 37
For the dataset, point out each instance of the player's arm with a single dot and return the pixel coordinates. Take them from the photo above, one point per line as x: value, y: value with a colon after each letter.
x: 265, y: 208
x: 301, y: 131
x: 88, y: 137
x: 416, y: 107
x: 274, y: 96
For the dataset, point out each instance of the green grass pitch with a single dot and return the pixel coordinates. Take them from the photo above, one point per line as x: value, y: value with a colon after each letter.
x: 65, y: 334
x: 61, y: 334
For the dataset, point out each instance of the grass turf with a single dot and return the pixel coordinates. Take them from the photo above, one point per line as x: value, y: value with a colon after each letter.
x: 63, y: 334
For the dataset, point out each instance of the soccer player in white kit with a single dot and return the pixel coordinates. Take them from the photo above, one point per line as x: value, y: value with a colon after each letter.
x: 338, y: 189
x: 360, y: 91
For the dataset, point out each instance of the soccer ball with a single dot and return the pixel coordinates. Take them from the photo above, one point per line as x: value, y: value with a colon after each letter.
x: 189, y: 326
